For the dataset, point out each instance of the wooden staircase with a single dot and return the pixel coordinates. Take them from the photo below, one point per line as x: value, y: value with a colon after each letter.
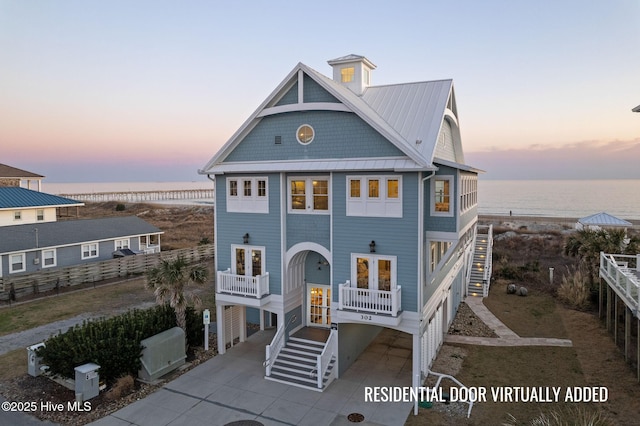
x: 482, y: 254
x: 296, y: 364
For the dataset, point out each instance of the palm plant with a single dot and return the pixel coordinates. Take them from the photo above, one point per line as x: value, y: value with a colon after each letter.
x: 170, y: 281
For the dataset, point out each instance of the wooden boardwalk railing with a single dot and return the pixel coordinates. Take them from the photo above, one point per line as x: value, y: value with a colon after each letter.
x: 142, y: 196
x: 19, y: 286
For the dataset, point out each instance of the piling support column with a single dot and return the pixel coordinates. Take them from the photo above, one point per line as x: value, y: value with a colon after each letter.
x: 600, y: 298
x: 608, y: 321
x: 627, y: 333
x: 615, y: 318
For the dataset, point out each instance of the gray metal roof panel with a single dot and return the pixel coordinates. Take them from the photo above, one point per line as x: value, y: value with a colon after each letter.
x: 604, y: 219
x: 12, y: 197
x: 71, y: 232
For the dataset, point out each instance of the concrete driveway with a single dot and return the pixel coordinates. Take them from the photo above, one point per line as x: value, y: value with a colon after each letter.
x: 232, y: 388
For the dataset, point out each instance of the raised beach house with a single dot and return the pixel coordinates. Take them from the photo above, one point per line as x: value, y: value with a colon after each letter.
x: 345, y: 207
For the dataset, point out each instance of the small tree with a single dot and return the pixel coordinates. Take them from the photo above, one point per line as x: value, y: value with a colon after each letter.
x: 170, y: 281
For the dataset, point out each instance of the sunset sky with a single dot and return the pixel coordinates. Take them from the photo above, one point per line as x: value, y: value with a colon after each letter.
x: 149, y: 90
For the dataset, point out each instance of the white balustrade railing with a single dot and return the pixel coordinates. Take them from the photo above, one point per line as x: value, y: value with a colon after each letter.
x: 243, y: 285
x: 324, y: 359
x: 273, y: 349
x: 615, y: 269
x: 368, y: 300
x: 486, y: 281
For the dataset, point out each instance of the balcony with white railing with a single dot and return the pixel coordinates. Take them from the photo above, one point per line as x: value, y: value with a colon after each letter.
x: 622, y: 274
x: 243, y: 289
x: 369, y: 305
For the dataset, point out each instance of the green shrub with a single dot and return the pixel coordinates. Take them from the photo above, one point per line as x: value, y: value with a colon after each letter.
x: 120, y: 207
x: 113, y: 343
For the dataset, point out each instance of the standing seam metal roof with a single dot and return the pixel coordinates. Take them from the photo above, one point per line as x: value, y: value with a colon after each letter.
x: 12, y: 197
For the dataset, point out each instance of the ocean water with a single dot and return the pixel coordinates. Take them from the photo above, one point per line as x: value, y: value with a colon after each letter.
x: 560, y: 198
x: 554, y: 198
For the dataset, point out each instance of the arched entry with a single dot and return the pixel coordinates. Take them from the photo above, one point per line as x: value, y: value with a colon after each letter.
x: 308, y: 283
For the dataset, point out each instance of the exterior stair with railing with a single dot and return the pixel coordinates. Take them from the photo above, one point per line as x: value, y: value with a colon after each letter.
x: 296, y: 364
x: 480, y: 275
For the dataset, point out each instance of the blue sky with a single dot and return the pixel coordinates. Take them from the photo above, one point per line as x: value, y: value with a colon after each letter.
x: 149, y: 90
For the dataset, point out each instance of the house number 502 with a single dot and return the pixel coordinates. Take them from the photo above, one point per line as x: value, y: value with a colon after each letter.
x: 365, y: 317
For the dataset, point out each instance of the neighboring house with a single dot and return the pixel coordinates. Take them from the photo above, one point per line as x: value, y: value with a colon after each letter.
x: 20, y: 206
x: 11, y: 176
x: 345, y: 206
x: 30, y: 248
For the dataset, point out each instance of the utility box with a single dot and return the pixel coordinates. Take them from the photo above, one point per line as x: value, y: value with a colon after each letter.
x: 162, y: 354
x: 87, y: 381
x: 33, y: 360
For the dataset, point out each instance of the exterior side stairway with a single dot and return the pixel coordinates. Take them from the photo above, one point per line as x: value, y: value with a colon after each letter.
x: 480, y: 276
x: 296, y: 364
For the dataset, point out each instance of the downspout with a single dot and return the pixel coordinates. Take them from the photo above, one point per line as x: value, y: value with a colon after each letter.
x: 219, y: 309
x: 417, y: 378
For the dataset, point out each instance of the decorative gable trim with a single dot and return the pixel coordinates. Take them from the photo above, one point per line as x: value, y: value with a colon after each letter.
x: 311, y: 106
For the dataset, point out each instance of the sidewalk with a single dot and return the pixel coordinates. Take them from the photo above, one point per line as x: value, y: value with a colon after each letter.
x: 506, y: 336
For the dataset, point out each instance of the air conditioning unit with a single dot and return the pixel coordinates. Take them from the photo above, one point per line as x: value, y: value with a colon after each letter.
x: 36, y: 261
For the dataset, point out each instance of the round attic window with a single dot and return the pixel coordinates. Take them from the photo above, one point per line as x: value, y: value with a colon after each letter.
x: 305, y: 134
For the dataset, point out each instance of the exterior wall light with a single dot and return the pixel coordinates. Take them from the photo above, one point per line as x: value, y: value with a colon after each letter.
x: 372, y: 247
x: 245, y: 238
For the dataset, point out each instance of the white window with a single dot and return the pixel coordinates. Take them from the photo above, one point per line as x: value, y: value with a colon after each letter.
x: 248, y: 260
x: 309, y: 195
x: 374, y: 272
x: 347, y: 74
x: 442, y: 196
x: 49, y: 258
x: 248, y: 195
x: 17, y: 263
x: 40, y: 215
x: 122, y: 244
x: 468, y: 192
x: 17, y: 215
x: 436, y: 253
x: 378, y: 196
x: 89, y: 250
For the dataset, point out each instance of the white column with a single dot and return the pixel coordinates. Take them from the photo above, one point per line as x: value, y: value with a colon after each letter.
x: 220, y: 325
x: 243, y: 323
x: 417, y: 373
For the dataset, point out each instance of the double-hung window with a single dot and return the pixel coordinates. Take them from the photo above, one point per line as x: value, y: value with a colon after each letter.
x: 309, y: 194
x: 247, y: 195
x: 17, y: 263
x: 49, y: 258
x: 122, y: 244
x: 40, y: 215
x: 377, y: 196
x: 89, y: 250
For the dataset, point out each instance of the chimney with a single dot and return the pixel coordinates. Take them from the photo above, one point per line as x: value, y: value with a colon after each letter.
x: 352, y: 71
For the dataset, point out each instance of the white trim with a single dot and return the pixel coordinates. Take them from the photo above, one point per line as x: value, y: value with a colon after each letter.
x: 381, y: 206
x: 313, y: 134
x: 88, y: 245
x: 309, y: 106
x: 373, y: 283
x: 307, y: 246
x: 451, y: 195
x: 243, y: 203
x: 248, y: 264
x: 127, y: 244
x: 55, y: 258
x: 308, y: 194
x: 24, y: 262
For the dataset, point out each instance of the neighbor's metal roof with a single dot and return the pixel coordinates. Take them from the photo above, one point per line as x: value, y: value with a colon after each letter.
x: 13, y: 172
x: 636, y: 109
x: 12, y: 197
x: 604, y: 219
x: 71, y: 232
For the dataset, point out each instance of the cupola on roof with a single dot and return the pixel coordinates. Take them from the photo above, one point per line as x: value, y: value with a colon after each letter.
x: 352, y: 71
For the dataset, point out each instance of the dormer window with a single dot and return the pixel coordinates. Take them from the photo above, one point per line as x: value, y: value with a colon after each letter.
x: 347, y: 74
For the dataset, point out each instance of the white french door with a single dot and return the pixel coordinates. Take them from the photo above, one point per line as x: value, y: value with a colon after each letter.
x: 318, y: 305
x: 373, y: 272
x: 248, y: 260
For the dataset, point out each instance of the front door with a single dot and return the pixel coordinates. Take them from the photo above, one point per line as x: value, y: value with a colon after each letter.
x: 318, y: 305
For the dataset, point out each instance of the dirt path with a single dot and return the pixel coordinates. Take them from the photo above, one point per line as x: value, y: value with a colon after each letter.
x: 603, y: 364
